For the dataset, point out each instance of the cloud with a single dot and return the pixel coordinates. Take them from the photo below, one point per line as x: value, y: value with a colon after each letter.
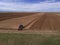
x: 50, y: 0
x: 30, y: 7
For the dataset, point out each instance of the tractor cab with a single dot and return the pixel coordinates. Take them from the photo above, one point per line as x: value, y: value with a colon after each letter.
x: 21, y: 27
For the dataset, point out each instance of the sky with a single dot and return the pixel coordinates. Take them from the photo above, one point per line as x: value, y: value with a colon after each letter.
x: 29, y: 5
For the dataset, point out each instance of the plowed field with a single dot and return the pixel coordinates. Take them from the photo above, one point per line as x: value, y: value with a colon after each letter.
x: 35, y: 21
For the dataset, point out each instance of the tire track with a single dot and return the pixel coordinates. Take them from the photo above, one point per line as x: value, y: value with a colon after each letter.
x: 33, y: 21
x: 42, y: 22
x: 29, y: 24
x: 57, y: 20
x: 35, y: 25
x: 50, y: 22
x: 54, y: 22
x: 47, y: 22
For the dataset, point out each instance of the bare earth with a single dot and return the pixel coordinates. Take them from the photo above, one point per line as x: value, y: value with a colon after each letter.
x: 47, y: 22
x: 34, y: 22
